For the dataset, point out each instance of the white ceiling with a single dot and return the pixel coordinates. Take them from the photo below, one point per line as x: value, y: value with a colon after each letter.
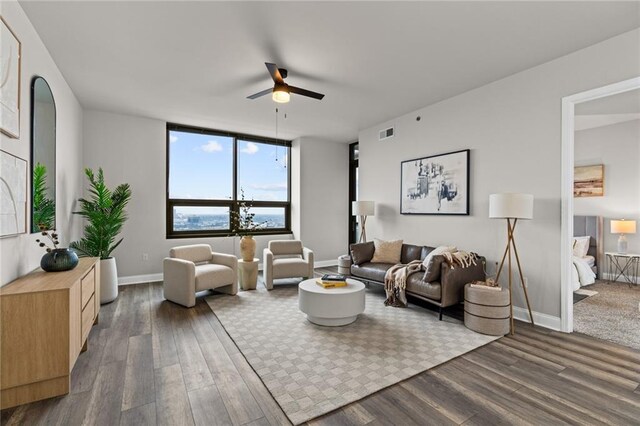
x: 608, y: 110
x: 195, y: 63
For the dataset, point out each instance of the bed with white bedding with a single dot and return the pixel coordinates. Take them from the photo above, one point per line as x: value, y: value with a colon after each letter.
x: 588, y: 250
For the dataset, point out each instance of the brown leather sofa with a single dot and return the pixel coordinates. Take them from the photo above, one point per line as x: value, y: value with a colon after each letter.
x: 447, y: 291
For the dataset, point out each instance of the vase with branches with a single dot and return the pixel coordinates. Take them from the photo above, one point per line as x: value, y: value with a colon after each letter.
x: 105, y: 214
x: 244, y: 225
x: 44, y: 208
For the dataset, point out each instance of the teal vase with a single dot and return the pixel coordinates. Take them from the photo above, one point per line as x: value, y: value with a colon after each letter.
x: 57, y: 260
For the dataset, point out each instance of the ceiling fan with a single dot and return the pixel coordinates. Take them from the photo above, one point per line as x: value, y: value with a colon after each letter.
x: 281, y: 91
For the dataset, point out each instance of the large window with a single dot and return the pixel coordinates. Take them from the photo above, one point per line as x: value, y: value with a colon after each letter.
x: 207, y: 173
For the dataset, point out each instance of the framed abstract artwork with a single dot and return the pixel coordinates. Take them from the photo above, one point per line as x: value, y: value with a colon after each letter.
x: 10, y: 58
x: 13, y: 195
x: 438, y: 184
x: 588, y: 181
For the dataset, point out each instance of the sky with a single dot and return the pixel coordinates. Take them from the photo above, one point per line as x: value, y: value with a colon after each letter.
x: 201, y: 167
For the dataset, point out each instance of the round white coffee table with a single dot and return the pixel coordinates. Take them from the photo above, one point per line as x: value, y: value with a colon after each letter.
x: 331, y: 306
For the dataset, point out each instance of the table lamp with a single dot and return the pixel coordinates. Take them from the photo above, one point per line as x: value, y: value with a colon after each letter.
x: 623, y: 227
x: 512, y: 206
x: 362, y: 209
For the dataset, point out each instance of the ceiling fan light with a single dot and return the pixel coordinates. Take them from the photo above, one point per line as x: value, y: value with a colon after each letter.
x: 281, y: 96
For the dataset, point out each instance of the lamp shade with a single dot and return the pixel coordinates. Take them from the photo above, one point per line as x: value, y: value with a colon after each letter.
x: 363, y: 208
x: 623, y: 226
x: 511, y: 206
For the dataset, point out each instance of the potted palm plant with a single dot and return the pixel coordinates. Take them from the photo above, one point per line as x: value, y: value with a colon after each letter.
x: 105, y: 214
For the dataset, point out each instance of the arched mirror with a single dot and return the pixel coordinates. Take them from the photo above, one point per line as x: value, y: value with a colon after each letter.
x: 43, y: 156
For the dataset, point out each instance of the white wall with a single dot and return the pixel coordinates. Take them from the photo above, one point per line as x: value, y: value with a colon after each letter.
x: 133, y: 150
x: 512, y: 127
x: 618, y: 148
x: 323, y: 219
x: 21, y: 254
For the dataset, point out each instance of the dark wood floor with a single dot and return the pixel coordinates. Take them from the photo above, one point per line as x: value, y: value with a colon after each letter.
x: 153, y: 362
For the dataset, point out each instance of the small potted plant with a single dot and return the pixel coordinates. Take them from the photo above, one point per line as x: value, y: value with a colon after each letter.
x: 105, y: 215
x: 244, y: 226
x: 56, y: 259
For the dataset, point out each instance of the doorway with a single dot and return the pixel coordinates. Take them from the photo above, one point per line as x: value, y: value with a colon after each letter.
x: 354, y: 156
x: 569, y: 105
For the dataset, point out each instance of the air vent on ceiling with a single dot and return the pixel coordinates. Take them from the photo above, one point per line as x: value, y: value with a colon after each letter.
x: 386, y: 134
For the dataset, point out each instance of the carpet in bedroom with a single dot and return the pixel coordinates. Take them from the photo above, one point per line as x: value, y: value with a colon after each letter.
x: 311, y: 370
x: 613, y: 314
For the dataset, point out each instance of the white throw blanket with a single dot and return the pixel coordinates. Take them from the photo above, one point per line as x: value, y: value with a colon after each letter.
x: 581, y: 273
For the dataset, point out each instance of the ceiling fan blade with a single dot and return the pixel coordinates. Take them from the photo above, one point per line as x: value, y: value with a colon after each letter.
x: 305, y: 92
x: 275, y: 74
x: 257, y: 95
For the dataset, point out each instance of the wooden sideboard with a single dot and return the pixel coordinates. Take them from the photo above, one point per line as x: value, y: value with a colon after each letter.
x: 45, y: 319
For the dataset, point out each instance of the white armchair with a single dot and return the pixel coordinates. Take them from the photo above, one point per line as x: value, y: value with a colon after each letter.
x: 286, y: 259
x: 189, y: 269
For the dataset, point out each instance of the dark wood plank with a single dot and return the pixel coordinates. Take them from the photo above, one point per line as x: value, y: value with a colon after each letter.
x: 144, y: 415
x: 195, y: 371
x: 435, y: 393
x: 608, y: 358
x: 351, y: 415
x: 139, y: 381
x: 238, y: 400
x: 106, y: 395
x: 610, y: 348
x: 164, y: 346
x: 584, y: 399
x: 118, y: 339
x: 172, y: 402
x: 208, y: 408
x: 84, y: 373
x: 544, y: 353
x: 268, y: 405
x: 141, y: 319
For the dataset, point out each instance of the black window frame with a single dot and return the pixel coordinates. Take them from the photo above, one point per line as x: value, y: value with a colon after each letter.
x: 234, y: 203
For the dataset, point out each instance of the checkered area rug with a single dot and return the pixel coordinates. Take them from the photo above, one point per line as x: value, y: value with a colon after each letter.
x: 311, y: 370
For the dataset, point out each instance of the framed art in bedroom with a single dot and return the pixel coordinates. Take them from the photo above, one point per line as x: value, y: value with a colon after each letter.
x: 436, y: 185
x: 10, y: 58
x: 588, y: 181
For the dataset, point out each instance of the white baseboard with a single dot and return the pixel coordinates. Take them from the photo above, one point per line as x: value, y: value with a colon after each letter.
x: 140, y: 279
x: 148, y: 278
x: 543, y: 320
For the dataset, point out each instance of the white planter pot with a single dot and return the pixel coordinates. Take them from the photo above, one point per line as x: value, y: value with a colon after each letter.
x: 108, y: 280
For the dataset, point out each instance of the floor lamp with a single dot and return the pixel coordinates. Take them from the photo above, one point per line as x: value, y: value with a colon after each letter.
x: 363, y: 209
x: 512, y: 207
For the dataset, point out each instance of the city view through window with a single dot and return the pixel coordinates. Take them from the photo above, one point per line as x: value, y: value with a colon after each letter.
x: 201, y: 169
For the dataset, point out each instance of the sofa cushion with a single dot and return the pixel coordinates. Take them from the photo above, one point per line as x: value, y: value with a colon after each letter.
x: 410, y: 252
x: 387, y: 251
x: 432, y: 272
x: 371, y: 271
x: 290, y: 267
x: 425, y: 252
x: 430, y: 290
x: 209, y: 276
x: 361, y: 253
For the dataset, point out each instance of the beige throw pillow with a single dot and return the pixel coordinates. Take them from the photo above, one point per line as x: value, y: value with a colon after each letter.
x: 387, y: 251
